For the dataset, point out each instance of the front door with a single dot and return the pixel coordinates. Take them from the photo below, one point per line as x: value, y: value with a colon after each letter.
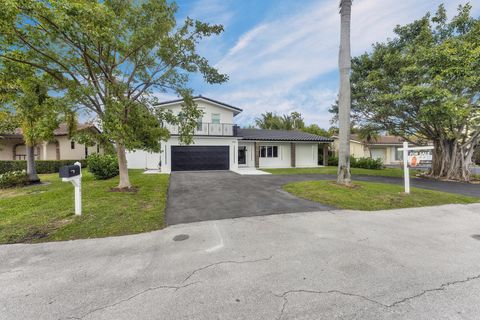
x: 242, y: 155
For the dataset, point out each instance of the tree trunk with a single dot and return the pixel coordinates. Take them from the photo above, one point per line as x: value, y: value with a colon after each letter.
x: 451, y: 160
x: 122, y: 167
x: 344, y: 101
x: 31, y: 170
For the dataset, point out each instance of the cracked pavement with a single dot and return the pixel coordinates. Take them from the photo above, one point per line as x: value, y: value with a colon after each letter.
x: 421, y: 263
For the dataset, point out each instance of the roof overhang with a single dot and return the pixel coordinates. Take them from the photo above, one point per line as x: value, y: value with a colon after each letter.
x: 204, y: 99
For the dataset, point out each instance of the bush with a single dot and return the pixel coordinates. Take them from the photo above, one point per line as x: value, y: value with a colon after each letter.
x: 368, y: 163
x: 13, y: 179
x: 476, y: 155
x: 102, y: 166
x: 365, y: 163
x: 333, y: 161
x: 42, y: 166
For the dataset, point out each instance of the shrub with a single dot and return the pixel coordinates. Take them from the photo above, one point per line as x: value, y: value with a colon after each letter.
x: 102, y: 166
x: 13, y: 179
x: 42, y: 166
x: 476, y: 155
x: 333, y: 161
x: 366, y: 163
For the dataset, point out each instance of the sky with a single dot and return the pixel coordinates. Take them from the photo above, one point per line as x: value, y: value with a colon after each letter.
x: 282, y: 55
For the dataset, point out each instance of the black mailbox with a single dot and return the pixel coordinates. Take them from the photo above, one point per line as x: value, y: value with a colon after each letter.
x: 69, y: 171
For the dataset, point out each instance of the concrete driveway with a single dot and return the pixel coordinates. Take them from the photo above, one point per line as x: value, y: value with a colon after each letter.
x: 418, y: 263
x: 214, y: 195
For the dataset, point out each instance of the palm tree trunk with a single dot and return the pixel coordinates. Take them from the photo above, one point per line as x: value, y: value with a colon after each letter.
x: 31, y: 170
x: 344, y: 63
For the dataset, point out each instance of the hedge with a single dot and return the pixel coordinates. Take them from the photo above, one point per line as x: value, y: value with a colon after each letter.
x: 42, y: 166
x: 365, y: 163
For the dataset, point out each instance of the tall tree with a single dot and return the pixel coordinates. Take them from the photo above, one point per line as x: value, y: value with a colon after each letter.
x: 344, y: 99
x: 269, y: 120
x: 315, y: 129
x: 26, y: 103
x: 294, y: 121
x: 425, y: 84
x: 112, y: 57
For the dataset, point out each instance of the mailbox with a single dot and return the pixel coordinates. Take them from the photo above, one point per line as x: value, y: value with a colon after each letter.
x: 69, y: 171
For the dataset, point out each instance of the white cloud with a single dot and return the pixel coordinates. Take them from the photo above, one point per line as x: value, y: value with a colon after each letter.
x: 272, y: 66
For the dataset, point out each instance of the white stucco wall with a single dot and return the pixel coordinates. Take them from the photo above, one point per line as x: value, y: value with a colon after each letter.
x: 283, y: 159
x: 226, y: 115
x: 306, y: 155
x: 6, y: 149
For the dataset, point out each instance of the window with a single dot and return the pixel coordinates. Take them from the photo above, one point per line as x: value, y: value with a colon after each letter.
x: 268, y: 151
x: 216, y: 118
x: 398, y: 154
x: 72, y: 145
x: 200, y: 124
x: 98, y: 148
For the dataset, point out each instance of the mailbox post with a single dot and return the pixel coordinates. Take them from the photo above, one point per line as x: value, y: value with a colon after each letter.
x: 73, y: 174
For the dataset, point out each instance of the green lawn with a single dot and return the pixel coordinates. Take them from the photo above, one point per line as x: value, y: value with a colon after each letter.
x: 371, y: 196
x: 387, y: 172
x: 46, y: 212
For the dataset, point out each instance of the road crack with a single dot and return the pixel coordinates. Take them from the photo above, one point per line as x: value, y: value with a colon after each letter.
x: 172, y: 287
x: 176, y: 288
x: 223, y: 262
x: 442, y: 287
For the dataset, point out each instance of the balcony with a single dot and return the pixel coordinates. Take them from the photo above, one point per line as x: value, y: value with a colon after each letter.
x: 207, y: 129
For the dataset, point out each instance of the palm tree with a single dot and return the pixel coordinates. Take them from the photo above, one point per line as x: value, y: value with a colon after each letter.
x: 269, y: 120
x: 368, y: 134
x: 344, y: 63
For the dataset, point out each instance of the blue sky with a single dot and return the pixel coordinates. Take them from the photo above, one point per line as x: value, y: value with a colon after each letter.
x: 281, y: 55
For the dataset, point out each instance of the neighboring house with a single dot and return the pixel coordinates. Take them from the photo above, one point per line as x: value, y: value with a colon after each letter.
x: 383, y: 147
x: 12, y: 146
x: 221, y: 145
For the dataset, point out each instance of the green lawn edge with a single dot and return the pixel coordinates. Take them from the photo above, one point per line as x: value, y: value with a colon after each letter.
x: 386, y: 172
x: 372, y: 196
x: 46, y: 212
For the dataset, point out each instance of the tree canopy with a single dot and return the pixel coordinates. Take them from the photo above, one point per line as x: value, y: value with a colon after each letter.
x: 113, y: 57
x: 425, y: 84
x: 270, y: 120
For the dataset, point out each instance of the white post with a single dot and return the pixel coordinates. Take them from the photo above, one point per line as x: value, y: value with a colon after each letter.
x: 406, y: 174
x: 78, y: 191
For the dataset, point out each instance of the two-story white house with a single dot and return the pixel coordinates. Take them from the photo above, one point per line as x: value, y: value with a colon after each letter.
x: 221, y: 145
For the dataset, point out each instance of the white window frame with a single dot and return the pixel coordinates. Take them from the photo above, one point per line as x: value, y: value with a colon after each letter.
x: 200, y: 123
x: 214, y: 118
x: 266, y: 151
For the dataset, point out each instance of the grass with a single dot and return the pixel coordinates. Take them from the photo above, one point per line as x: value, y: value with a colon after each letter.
x: 46, y: 212
x: 372, y: 196
x: 386, y: 172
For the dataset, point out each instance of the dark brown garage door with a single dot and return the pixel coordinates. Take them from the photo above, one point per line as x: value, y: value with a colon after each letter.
x: 200, y: 158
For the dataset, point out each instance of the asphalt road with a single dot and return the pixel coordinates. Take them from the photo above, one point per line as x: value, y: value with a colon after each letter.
x: 214, y: 195
x: 420, y: 263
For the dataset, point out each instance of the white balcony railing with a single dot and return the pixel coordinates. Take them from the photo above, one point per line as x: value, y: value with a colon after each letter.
x: 207, y: 129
